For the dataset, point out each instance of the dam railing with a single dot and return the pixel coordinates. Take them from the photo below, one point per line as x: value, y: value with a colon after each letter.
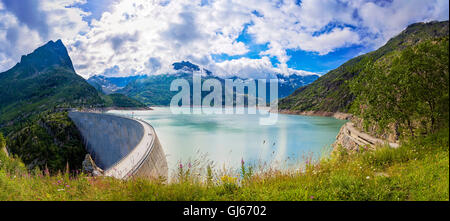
x: 141, y: 160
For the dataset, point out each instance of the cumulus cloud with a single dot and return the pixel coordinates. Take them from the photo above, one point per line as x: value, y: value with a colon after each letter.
x: 117, y: 41
x: 185, y: 32
x: 253, y: 68
x: 245, y: 67
x: 27, y: 24
x: 153, y: 64
x: 146, y: 37
x: 28, y: 12
x: 389, y: 18
x: 328, y: 42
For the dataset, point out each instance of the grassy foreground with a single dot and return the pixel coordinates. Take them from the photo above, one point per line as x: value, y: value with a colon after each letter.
x: 418, y: 170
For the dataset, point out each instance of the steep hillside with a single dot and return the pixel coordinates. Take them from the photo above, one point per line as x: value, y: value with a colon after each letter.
x: 122, y: 101
x: 43, y: 80
x: 152, y: 90
x: 406, y: 93
x: 109, y: 85
x: 331, y: 92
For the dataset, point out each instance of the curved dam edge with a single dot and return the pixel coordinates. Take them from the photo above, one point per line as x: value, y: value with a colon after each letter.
x: 146, y: 160
x: 130, y: 147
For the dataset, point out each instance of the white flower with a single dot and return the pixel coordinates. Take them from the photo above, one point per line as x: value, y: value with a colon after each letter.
x: 368, y: 177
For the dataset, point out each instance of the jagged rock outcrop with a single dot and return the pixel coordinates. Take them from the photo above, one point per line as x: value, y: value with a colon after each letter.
x: 89, y: 167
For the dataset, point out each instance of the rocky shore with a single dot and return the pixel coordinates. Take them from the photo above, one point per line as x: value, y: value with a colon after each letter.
x: 351, y: 138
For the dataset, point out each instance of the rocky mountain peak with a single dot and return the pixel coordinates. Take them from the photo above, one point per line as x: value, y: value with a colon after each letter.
x: 48, y: 55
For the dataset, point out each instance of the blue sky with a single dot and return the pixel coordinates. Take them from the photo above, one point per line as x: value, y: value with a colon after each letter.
x: 249, y: 38
x: 300, y: 59
x: 96, y: 8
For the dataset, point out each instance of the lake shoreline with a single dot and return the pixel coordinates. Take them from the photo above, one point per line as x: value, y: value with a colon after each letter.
x: 106, y: 109
x: 337, y: 115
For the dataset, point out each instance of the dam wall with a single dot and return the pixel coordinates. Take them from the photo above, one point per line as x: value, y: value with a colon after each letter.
x: 154, y: 165
x: 120, y: 146
x: 107, y: 138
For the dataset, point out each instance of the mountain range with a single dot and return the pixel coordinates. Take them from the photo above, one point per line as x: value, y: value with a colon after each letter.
x: 155, y: 89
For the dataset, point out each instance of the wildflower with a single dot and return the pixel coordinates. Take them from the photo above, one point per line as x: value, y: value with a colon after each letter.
x: 311, y: 197
x: 368, y: 177
x: 181, y: 166
x: 228, y: 180
x: 242, y: 161
x: 60, y: 190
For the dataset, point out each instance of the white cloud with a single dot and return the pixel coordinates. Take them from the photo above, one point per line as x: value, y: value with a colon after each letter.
x: 27, y: 24
x: 245, y: 67
x: 390, y: 19
x: 253, y: 68
x: 146, y: 37
x: 328, y: 42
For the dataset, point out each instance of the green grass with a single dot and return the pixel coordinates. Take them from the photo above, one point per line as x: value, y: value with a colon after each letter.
x: 418, y: 170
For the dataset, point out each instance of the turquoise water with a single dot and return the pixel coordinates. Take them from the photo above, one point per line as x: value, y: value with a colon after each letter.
x: 227, y: 139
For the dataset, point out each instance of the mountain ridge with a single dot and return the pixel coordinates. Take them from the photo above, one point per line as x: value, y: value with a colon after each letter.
x: 155, y: 89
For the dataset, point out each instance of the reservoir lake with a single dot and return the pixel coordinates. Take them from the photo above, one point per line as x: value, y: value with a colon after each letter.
x: 227, y: 139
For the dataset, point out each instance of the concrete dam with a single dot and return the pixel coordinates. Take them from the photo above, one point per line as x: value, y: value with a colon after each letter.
x: 120, y: 146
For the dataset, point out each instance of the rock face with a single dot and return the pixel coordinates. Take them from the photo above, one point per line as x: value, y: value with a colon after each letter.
x: 352, y: 139
x: 89, y: 167
x: 391, y: 133
x: 51, y: 54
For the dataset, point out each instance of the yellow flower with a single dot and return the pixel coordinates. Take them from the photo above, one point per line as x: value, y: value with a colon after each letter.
x: 228, y: 179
